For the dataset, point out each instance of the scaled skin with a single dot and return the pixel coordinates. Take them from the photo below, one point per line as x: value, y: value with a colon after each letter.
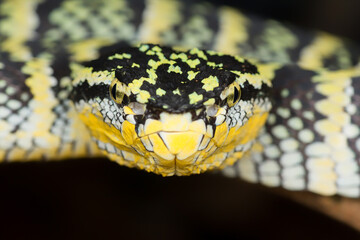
x: 311, y: 140
x: 180, y: 116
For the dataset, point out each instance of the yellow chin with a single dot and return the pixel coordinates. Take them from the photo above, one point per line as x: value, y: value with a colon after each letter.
x: 174, y: 144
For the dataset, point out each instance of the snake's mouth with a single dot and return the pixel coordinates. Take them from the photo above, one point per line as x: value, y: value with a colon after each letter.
x: 173, y: 144
x: 186, y: 152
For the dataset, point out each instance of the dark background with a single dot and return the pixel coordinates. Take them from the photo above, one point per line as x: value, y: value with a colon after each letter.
x: 97, y: 199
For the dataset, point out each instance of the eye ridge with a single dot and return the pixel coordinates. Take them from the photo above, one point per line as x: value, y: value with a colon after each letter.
x: 117, y: 93
x: 234, y: 94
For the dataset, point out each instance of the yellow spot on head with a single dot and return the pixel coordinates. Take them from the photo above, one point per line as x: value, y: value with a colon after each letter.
x: 210, y: 83
x: 150, y: 52
x: 182, y: 56
x: 214, y: 65
x: 120, y: 56
x: 144, y: 48
x: 195, y: 98
x: 143, y: 96
x: 175, y: 69
x: 192, y: 75
x: 177, y: 91
x: 152, y: 76
x: 209, y: 102
x: 157, y: 49
x: 193, y: 63
x: 160, y: 92
x: 199, y: 53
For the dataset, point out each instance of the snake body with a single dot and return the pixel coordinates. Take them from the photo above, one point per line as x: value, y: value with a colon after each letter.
x: 98, y: 78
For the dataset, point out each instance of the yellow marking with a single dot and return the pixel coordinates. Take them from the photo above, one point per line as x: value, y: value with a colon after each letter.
x: 156, y: 49
x: 328, y: 89
x: 84, y: 146
x: 161, y: 150
x: 18, y: 154
x: 128, y: 110
x: 40, y: 122
x: 120, y: 56
x: 175, y: 69
x: 199, y: 53
x: 135, y: 65
x: 193, y: 62
x: 326, y: 127
x: 267, y: 71
x: 327, y: 107
x: 336, y: 141
x: 324, y: 187
x: 228, y: 40
x: 221, y: 134
x: 87, y: 50
x: 209, y: 102
x: 250, y: 129
x: 82, y: 74
x: 210, y: 83
x: 192, y: 75
x: 152, y: 126
x: 322, y: 47
x: 105, y: 133
x: 182, y: 56
x: 160, y: 92
x: 40, y: 84
x: 143, y: 96
x: 198, y: 126
x: 155, y: 64
x: 183, y: 144
x: 340, y: 77
x: 214, y: 65
x: 255, y: 80
x: 18, y: 25
x: 177, y: 91
x: 144, y: 48
x: 159, y: 16
x: 175, y: 122
x: 128, y: 133
x: 341, y: 118
x: 195, y: 98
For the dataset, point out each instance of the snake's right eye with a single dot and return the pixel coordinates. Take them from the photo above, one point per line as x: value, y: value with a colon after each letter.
x: 118, y: 92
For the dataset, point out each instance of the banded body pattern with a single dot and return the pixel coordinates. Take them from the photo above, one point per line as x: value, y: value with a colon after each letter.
x: 310, y: 141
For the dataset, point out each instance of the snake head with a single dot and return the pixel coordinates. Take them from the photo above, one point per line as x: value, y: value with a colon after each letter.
x: 169, y: 111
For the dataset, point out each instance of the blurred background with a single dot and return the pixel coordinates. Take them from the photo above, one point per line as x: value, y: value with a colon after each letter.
x: 97, y: 199
x: 339, y: 17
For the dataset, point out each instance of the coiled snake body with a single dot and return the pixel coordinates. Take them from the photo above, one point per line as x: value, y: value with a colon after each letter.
x: 95, y: 78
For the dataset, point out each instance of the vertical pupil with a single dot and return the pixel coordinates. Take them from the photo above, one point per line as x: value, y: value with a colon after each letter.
x: 113, y: 91
x: 236, y: 94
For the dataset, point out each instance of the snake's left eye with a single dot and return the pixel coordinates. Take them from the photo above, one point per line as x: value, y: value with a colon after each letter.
x: 232, y: 94
x: 118, y: 92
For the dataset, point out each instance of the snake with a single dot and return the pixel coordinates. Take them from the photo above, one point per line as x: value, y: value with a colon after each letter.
x: 178, y: 88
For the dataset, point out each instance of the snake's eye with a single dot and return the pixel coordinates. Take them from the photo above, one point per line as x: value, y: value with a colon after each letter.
x: 232, y: 94
x: 118, y: 92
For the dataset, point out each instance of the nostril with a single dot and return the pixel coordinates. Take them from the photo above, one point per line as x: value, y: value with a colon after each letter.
x: 137, y: 108
x: 212, y: 110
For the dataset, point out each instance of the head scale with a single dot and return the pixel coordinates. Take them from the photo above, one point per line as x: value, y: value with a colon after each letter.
x: 169, y: 111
